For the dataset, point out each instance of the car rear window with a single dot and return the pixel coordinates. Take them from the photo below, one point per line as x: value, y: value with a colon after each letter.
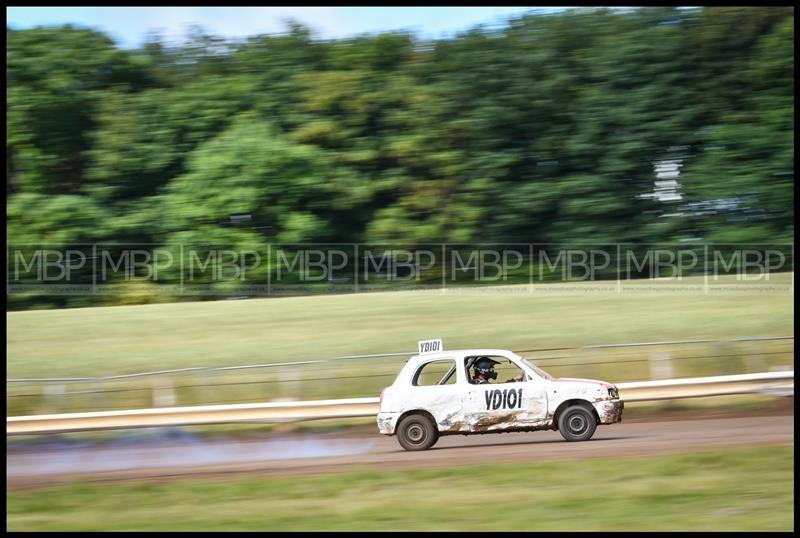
x: 433, y: 372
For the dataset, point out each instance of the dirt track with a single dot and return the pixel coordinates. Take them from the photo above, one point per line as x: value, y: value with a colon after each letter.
x: 166, y: 458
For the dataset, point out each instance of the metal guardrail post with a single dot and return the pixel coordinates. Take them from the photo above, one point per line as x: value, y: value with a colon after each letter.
x: 163, y: 392
x: 661, y: 365
x: 54, y: 396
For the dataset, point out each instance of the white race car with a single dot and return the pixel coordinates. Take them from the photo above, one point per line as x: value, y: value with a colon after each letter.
x: 452, y: 392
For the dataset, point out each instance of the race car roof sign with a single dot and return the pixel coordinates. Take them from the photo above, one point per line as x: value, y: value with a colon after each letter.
x: 430, y: 346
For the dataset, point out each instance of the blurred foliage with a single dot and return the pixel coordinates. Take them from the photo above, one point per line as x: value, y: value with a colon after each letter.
x: 545, y: 130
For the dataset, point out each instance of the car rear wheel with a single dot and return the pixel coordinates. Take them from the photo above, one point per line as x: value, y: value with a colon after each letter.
x: 577, y: 423
x: 417, y: 432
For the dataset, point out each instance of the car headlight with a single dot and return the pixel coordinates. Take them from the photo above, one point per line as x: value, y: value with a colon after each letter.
x: 613, y: 392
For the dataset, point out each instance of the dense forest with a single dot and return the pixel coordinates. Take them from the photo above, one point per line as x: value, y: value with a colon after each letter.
x: 549, y: 129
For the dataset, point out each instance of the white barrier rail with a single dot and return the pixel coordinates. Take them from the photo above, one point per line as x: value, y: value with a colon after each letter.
x: 697, y: 387
x: 639, y: 391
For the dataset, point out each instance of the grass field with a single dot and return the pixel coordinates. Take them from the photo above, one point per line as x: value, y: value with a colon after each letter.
x: 737, y: 490
x: 128, y: 339
x: 92, y: 342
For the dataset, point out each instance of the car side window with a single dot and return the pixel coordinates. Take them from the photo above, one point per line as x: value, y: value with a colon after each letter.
x: 435, y: 373
x: 506, y: 370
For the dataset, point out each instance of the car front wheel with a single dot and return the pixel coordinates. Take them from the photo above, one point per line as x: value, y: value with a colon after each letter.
x: 577, y: 423
x: 417, y: 432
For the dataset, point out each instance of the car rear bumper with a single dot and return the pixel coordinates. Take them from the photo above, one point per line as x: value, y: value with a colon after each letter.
x: 387, y: 422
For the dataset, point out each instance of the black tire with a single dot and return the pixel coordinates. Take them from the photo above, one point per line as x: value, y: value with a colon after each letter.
x: 576, y: 423
x: 417, y: 432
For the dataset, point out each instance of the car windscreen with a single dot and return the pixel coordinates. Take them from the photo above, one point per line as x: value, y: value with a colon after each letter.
x: 536, y: 369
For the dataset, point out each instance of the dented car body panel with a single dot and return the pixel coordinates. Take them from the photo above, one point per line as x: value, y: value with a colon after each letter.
x: 461, y: 407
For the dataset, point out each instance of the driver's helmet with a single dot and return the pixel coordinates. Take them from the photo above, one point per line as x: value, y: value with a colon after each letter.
x: 485, y: 366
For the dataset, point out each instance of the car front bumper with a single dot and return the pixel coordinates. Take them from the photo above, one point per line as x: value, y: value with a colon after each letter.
x: 610, y: 411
